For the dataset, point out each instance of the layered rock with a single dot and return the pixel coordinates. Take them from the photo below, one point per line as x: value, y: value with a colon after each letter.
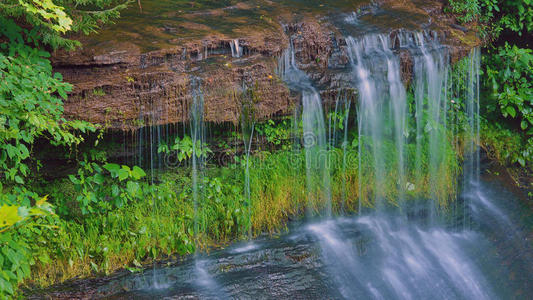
x: 147, y: 69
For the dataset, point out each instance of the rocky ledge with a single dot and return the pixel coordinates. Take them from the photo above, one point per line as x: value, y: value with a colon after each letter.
x: 149, y: 67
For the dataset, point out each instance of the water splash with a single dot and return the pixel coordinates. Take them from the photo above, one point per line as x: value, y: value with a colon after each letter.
x: 393, y: 259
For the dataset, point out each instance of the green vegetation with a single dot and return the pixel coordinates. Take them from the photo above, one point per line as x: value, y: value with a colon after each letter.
x: 495, y: 16
x: 49, y: 20
x: 30, y: 110
x: 509, y: 73
x: 107, y: 236
x: 507, y: 92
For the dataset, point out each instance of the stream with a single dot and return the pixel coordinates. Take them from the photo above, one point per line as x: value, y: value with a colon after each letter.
x: 373, y: 256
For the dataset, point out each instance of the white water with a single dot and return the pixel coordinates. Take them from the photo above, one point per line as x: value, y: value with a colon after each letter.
x: 396, y: 259
x: 431, y: 76
x: 376, y: 73
x: 198, y: 141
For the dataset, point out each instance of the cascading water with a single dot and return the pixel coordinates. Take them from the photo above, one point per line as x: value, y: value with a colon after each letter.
x: 391, y: 254
x: 314, y: 133
x: 381, y: 99
x: 248, y: 126
x: 431, y: 103
x: 338, y: 124
x: 236, y: 50
x: 203, y: 279
x: 394, y: 257
x: 471, y: 96
x: 198, y: 141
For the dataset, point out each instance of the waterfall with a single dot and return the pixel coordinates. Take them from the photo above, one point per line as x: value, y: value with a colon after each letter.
x: 471, y: 168
x: 248, y: 126
x: 382, y: 97
x: 236, y: 50
x: 314, y: 133
x: 431, y: 76
x: 394, y: 257
x: 198, y: 141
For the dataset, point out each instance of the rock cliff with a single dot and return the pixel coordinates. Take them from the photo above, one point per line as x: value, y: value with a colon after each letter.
x: 147, y: 68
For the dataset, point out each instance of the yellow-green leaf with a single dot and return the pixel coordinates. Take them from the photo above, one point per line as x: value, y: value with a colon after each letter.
x: 9, y: 215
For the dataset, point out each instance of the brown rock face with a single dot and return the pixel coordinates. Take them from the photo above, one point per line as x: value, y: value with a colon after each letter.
x: 146, y: 69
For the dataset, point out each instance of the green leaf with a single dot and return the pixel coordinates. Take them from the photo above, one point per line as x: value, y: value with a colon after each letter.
x: 115, y: 190
x: 511, y: 111
x: 73, y: 179
x: 19, y: 180
x: 6, y: 286
x: 9, y: 215
x: 523, y: 124
x: 123, y: 174
x: 44, y: 258
x: 99, y: 179
x: 112, y: 168
x: 137, y: 173
x: 132, y: 188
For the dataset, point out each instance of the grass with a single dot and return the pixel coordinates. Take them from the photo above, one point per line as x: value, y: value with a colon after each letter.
x: 162, y: 226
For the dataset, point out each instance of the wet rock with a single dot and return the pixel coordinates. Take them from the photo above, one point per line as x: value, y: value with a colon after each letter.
x: 139, y: 72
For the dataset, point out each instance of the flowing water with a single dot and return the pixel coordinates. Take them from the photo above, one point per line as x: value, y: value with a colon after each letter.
x: 371, y: 256
x: 381, y: 99
x: 197, y: 158
x: 314, y: 134
x: 247, y: 127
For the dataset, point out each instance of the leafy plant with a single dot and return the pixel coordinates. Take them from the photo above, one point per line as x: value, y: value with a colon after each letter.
x: 100, y: 191
x: 185, y: 147
x: 495, y: 16
x: 29, y: 104
x: 466, y: 10
x: 16, y: 254
x: 275, y: 133
x: 509, y: 74
x: 53, y: 18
